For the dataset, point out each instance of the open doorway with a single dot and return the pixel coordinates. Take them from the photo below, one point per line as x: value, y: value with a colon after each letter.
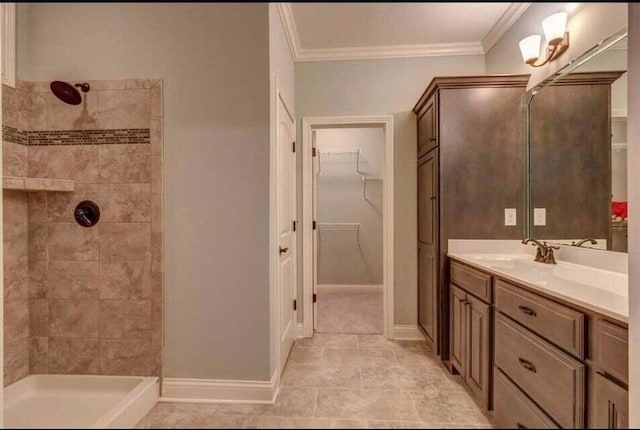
x: 348, y: 199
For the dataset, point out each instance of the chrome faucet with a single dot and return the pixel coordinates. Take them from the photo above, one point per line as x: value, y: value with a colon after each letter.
x: 544, y: 253
x: 583, y: 241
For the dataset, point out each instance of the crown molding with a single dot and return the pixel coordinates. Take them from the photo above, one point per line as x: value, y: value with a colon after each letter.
x: 508, y: 18
x: 513, y: 12
x: 290, y: 29
x: 394, y: 51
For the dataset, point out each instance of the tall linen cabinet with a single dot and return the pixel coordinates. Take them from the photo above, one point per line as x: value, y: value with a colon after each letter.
x: 470, y: 169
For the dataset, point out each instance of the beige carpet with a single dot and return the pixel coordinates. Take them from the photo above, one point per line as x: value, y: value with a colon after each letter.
x: 349, y: 310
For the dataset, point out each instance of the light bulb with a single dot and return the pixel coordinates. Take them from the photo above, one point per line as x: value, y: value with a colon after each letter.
x: 554, y: 27
x: 530, y: 48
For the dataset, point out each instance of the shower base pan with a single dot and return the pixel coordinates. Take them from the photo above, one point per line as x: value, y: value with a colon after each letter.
x: 79, y: 401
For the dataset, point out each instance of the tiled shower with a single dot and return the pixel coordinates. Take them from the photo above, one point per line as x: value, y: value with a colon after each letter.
x: 83, y: 300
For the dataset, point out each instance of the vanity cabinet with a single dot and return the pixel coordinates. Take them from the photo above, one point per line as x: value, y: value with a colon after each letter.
x: 471, y: 333
x: 469, y: 143
x: 535, y: 360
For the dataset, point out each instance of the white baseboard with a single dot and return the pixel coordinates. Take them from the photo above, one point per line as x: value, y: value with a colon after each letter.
x: 184, y: 390
x: 350, y: 287
x: 407, y: 332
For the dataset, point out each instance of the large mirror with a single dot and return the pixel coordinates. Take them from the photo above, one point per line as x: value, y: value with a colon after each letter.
x: 577, y: 151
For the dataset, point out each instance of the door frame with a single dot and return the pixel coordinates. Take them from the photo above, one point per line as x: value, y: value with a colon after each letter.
x: 278, y: 95
x: 309, y: 124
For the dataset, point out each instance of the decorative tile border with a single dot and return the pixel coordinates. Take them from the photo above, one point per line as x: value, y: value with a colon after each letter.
x: 14, y: 135
x: 128, y: 136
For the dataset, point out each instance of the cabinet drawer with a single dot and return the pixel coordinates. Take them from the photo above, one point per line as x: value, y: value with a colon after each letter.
x: 553, y: 379
x: 473, y: 281
x: 611, y: 346
x: 559, y: 324
x: 514, y: 410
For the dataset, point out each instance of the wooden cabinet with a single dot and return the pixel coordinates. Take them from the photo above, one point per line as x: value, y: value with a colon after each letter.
x: 610, y: 405
x: 470, y: 339
x: 427, y: 240
x: 469, y: 143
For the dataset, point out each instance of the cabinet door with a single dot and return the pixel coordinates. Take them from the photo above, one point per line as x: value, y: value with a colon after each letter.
x: 428, y: 245
x: 611, y: 404
x: 458, y: 325
x: 427, y: 128
x: 478, y: 351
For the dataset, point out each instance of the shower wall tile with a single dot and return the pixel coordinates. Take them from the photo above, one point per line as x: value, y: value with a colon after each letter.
x: 71, y: 242
x: 128, y: 280
x: 125, y: 241
x: 39, y: 317
x: 16, y: 281
x: 38, y: 279
x: 125, y: 164
x: 15, y: 111
x: 79, y: 163
x: 37, y: 206
x: 125, y: 319
x: 156, y: 136
x: 94, y: 295
x: 123, y: 109
x: 62, y: 116
x: 16, y: 317
x: 14, y: 159
x: 37, y: 241
x: 74, y: 318
x: 73, y: 280
x: 61, y: 206
x: 16, y: 360
x: 125, y: 202
x: 125, y: 357
x: 15, y: 206
x: 74, y: 355
x: 38, y: 355
x: 15, y: 243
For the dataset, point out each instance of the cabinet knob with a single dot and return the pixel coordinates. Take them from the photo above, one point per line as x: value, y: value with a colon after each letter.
x: 527, y: 365
x: 527, y: 311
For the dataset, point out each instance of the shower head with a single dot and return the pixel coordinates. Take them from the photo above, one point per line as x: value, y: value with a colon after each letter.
x: 67, y: 92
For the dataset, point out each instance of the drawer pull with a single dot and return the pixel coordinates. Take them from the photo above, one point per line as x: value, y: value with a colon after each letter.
x: 522, y: 426
x: 527, y: 365
x: 527, y: 311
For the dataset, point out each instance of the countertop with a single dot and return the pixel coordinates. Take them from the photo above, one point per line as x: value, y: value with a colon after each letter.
x: 601, y: 291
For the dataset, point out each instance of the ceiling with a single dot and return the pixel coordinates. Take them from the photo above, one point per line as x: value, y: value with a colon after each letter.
x: 333, y: 31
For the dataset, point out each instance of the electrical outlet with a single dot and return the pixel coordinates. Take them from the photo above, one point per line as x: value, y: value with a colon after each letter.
x: 510, y: 216
x: 539, y: 216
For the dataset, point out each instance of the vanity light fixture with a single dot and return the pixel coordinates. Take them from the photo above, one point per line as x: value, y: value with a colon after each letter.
x: 557, y: 37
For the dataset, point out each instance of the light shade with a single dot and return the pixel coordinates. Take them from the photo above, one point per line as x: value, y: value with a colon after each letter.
x: 554, y: 27
x: 530, y: 48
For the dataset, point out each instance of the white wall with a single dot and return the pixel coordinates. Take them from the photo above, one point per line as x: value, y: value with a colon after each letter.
x: 350, y: 257
x: 383, y: 87
x: 214, y: 59
x: 634, y: 209
x: 588, y: 24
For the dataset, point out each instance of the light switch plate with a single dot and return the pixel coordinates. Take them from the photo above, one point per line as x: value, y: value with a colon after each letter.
x: 510, y: 216
x: 539, y: 216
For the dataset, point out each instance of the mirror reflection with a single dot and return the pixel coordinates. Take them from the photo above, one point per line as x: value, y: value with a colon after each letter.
x: 578, y: 155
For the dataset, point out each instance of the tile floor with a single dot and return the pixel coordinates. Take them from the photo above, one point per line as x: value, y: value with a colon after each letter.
x: 345, y: 381
x: 349, y: 310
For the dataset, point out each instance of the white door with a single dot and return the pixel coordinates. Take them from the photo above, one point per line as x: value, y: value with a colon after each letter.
x: 286, y: 209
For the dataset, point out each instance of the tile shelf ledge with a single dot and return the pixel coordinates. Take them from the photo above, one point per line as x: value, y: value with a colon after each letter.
x: 37, y: 184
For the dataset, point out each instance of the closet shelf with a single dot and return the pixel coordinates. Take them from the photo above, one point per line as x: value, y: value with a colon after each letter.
x: 340, y: 226
x: 364, y: 185
x: 37, y: 184
x: 355, y: 152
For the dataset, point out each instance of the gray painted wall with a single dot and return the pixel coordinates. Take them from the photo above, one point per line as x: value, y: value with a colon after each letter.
x: 383, y: 87
x: 350, y: 257
x: 634, y: 208
x: 214, y: 59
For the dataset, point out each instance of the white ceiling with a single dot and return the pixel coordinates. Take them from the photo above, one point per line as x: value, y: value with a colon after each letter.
x: 331, y: 31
